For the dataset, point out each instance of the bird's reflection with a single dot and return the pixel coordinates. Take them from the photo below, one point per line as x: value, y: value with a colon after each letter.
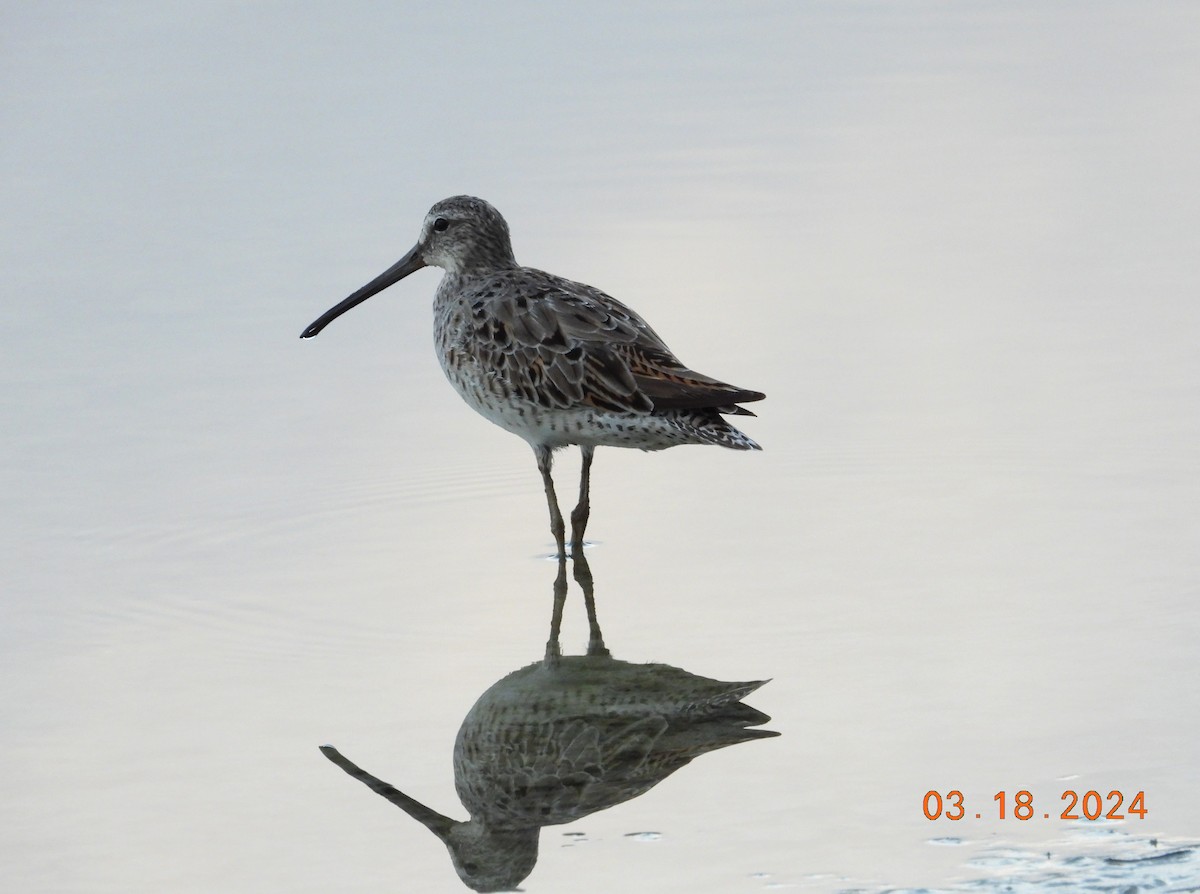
x: 565, y: 737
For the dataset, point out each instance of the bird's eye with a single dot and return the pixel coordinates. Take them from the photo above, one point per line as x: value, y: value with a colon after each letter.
x: 441, y: 224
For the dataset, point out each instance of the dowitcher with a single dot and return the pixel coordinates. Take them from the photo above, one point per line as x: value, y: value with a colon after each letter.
x: 554, y: 361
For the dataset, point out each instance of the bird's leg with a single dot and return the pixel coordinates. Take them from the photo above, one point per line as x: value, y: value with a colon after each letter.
x: 579, y: 515
x: 557, y: 528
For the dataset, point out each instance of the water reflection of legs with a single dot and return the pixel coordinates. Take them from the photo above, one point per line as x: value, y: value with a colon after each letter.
x: 553, y: 649
x: 583, y: 577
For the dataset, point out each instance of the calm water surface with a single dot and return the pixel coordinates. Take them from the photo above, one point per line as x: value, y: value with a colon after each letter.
x: 954, y: 245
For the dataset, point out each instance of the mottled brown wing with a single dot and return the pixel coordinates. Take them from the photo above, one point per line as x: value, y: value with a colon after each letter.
x: 563, y: 344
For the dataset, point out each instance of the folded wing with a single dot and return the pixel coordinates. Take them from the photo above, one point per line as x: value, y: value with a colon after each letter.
x: 562, y: 344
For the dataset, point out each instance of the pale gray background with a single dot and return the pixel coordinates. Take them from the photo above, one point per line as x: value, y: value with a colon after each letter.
x: 956, y: 244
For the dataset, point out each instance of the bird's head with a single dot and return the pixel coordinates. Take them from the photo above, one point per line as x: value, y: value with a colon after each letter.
x: 461, y: 235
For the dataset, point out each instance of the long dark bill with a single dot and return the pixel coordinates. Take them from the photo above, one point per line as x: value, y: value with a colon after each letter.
x: 408, y: 264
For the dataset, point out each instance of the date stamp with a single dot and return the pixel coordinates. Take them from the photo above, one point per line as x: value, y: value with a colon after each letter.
x: 1089, y: 805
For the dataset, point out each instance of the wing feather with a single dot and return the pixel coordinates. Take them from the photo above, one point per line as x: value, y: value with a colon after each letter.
x: 564, y: 344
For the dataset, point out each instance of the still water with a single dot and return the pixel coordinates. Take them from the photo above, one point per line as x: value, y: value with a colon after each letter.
x: 955, y: 246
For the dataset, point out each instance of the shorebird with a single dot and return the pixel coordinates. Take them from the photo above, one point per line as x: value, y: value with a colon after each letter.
x: 554, y: 361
